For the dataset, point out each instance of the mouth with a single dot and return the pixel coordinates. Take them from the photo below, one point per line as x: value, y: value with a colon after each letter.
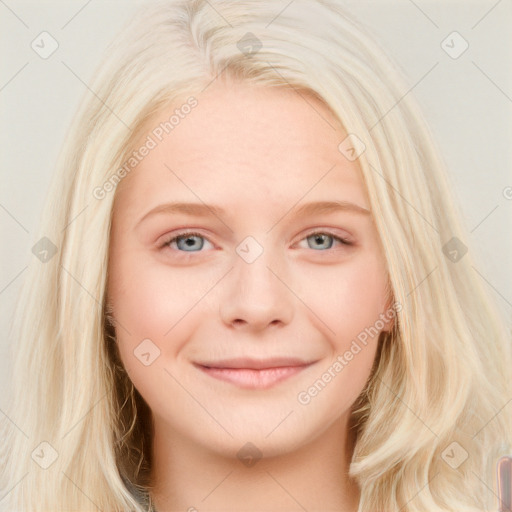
x: 253, y: 373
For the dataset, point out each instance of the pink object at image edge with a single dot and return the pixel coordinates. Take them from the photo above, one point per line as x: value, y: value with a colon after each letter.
x: 504, y: 483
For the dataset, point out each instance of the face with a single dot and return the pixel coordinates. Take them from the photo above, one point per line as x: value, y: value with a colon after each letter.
x: 243, y: 311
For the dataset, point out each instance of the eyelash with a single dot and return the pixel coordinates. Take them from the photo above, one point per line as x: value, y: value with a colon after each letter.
x: 186, y: 234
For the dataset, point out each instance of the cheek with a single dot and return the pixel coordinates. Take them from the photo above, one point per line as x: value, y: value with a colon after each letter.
x: 153, y: 302
x: 349, y: 299
x: 150, y: 298
x: 350, y: 303
x: 143, y: 301
x: 138, y: 299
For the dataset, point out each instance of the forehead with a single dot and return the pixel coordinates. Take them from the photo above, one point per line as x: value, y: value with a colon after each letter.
x: 243, y: 143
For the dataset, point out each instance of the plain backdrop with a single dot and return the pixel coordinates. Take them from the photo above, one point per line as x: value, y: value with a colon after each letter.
x: 467, y: 101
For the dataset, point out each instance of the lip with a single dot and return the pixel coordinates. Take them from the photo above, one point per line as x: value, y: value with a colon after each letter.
x: 254, y: 373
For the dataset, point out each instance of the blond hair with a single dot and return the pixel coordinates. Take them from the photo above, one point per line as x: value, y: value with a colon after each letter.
x: 440, y: 381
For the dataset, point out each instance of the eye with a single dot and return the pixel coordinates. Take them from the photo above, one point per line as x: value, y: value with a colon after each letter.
x: 324, y: 240
x: 190, y: 241
x: 186, y: 242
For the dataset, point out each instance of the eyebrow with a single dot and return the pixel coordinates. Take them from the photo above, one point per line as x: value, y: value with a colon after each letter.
x: 205, y: 210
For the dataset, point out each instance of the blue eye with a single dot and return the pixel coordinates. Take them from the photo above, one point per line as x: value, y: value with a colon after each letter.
x: 324, y: 240
x: 194, y: 242
x: 187, y: 242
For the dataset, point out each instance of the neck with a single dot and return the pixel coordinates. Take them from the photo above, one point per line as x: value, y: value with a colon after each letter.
x: 189, y: 477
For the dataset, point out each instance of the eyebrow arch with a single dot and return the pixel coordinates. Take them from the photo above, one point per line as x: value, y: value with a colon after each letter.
x: 328, y: 207
x: 196, y: 209
x: 205, y: 210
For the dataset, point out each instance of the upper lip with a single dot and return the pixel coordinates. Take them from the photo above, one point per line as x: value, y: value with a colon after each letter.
x: 256, y: 364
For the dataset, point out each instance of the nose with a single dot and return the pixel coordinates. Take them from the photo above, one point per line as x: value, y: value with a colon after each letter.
x: 256, y: 296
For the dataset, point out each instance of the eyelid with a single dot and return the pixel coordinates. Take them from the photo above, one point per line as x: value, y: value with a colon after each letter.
x: 347, y: 239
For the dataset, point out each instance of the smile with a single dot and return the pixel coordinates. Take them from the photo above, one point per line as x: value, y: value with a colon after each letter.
x: 250, y: 374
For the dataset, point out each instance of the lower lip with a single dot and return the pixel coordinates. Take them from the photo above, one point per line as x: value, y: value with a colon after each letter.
x: 253, y: 379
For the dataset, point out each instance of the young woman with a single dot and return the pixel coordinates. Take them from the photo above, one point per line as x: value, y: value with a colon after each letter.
x: 259, y: 297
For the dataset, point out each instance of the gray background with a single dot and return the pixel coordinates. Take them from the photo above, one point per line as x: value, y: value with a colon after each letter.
x: 467, y: 101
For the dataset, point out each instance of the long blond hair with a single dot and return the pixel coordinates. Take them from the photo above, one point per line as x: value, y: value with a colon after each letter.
x: 441, y: 381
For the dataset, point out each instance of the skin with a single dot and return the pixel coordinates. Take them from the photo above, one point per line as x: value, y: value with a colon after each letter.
x: 259, y: 154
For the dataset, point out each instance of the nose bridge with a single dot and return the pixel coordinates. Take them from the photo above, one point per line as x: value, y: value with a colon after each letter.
x: 253, y: 273
x: 256, y: 296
